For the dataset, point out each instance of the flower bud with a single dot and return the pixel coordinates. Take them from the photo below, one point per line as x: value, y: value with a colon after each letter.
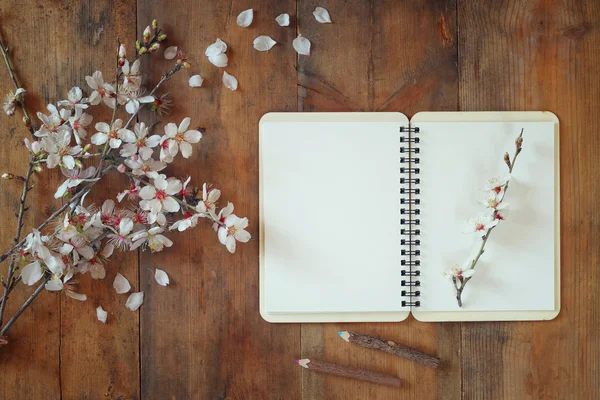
x: 122, y: 51
x: 78, y: 163
x: 38, y: 168
x: 154, y: 23
x: 187, y: 64
x: 147, y: 33
x: 143, y: 50
x: 519, y: 143
x: 138, y: 44
x: 154, y: 47
x: 121, y: 168
x: 161, y: 37
x: 507, y: 159
x: 27, y: 122
x: 86, y: 148
x: 8, y: 176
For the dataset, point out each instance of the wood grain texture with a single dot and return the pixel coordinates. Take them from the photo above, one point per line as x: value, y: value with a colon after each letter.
x: 381, y: 56
x: 205, y: 330
x: 202, y: 337
x: 520, y: 55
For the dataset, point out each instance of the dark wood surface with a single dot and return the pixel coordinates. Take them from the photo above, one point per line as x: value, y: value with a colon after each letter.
x: 202, y: 337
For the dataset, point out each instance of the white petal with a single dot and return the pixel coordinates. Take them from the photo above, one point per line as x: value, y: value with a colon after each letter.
x: 76, y: 296
x: 135, y: 300
x: 263, y: 43
x: 468, y: 273
x: 245, y: 18
x: 229, y: 81
x: 195, y: 81
x: 186, y: 149
x: 121, y: 284
x: 32, y: 273
x: 54, y: 285
x: 170, y: 204
x: 302, y: 45
x: 132, y: 107
x: 101, y: 314
x: 322, y: 15
x: 170, y: 52
x: 219, y: 60
x: 161, y: 277
x: 216, y: 48
x: 283, y: 20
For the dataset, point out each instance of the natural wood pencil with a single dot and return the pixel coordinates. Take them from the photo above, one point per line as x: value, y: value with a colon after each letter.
x: 349, y: 372
x: 388, y: 346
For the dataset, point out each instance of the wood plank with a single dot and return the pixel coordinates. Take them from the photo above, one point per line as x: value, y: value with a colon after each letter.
x: 521, y: 55
x: 381, y: 56
x: 203, y: 337
x: 100, y: 360
x: 76, y: 355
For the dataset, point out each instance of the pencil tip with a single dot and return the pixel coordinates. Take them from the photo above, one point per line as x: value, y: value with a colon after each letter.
x: 340, y: 333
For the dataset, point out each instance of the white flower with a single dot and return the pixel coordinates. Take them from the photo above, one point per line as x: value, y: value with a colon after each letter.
x: 230, y: 81
x: 34, y: 147
x: 322, y: 15
x: 131, y: 76
x: 189, y: 221
x: 459, y: 272
x: 113, y: 134
x: 209, y: 200
x: 75, y: 177
x: 153, y: 238
x: 245, y: 18
x: 75, y: 99
x: 195, y: 81
x: 283, y: 19
x: 121, y: 238
x: 139, y: 143
x: 233, y: 229
x: 78, y: 122
x: 32, y: 273
x: 131, y: 193
x: 121, y: 284
x: 133, y: 102
x: 170, y: 52
x: 102, y: 91
x: 263, y: 43
x: 11, y: 101
x: 502, y: 212
x: 56, y: 284
x: 54, y: 122
x: 481, y: 223
x: 59, y: 150
x: 224, y: 213
x: 149, y: 167
x: 161, y: 277
x: 134, y: 301
x: 101, y: 314
x: 497, y: 183
x: 95, y: 265
x: 158, y: 197
x: 301, y: 45
x: 180, y: 138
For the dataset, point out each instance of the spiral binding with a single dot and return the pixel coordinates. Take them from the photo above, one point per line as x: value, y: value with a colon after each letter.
x: 410, y: 211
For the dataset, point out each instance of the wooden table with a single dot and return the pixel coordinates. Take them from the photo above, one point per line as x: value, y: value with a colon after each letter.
x: 202, y: 337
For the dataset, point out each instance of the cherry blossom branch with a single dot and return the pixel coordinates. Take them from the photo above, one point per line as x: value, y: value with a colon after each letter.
x: 511, y: 165
x: 21, y: 213
x: 24, y: 306
x: 15, y: 81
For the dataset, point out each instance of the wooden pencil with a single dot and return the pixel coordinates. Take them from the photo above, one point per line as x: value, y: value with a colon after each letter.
x: 349, y: 372
x: 388, y: 346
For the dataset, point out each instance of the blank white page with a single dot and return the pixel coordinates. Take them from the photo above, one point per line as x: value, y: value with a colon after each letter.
x: 517, y: 270
x: 330, y: 203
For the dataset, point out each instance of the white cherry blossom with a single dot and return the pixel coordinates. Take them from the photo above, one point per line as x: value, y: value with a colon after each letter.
x: 60, y: 152
x: 113, y: 134
x: 139, y: 143
x: 233, y: 229
x: 149, y: 167
x: 180, y: 138
x: 75, y: 99
x: 158, y: 197
x: 102, y: 90
x: 152, y: 238
x: 11, y: 100
x: 75, y: 177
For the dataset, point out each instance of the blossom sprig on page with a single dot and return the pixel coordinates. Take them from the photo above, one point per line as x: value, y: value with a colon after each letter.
x: 495, y: 211
x: 80, y: 239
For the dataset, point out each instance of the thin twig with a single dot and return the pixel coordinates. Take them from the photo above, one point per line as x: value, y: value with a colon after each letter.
x: 24, y: 306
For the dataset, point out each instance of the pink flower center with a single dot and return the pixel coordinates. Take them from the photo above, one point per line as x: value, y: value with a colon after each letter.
x: 113, y: 134
x: 231, y: 230
x: 160, y: 195
x: 179, y: 138
x: 479, y: 227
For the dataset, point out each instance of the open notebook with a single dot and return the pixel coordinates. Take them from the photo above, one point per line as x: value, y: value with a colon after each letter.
x: 361, y: 214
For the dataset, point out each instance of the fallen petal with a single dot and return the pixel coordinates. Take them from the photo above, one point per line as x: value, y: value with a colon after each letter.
x: 229, y: 81
x: 302, y: 45
x: 245, y: 18
x: 216, y: 48
x: 195, y: 81
x: 322, y: 15
x: 135, y: 300
x: 283, y: 20
x: 101, y: 314
x: 263, y: 43
x: 161, y: 277
x: 121, y: 284
x: 170, y: 52
x: 219, y: 60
